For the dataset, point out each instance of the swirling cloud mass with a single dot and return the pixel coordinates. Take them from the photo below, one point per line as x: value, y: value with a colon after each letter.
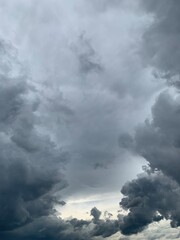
x: 89, y: 93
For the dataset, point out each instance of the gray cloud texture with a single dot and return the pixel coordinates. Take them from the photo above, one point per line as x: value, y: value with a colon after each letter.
x: 29, y: 175
x: 155, y: 196
x: 82, y: 72
x: 32, y: 155
x: 30, y: 169
x: 161, y: 41
x: 76, y: 83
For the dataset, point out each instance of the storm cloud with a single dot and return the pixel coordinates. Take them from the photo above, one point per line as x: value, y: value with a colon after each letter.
x: 157, y: 141
x: 74, y: 75
x: 30, y: 173
x: 154, y: 195
x: 161, y: 41
x: 150, y: 198
x: 28, y: 184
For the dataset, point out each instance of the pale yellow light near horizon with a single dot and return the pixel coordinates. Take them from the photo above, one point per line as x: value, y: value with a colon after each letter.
x: 80, y: 207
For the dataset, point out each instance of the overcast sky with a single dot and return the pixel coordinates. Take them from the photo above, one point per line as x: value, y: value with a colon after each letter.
x: 89, y: 118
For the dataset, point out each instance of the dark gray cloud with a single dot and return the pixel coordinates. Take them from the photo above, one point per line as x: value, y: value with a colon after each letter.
x: 51, y: 227
x: 155, y: 196
x: 48, y: 228
x: 79, y: 97
x: 150, y: 198
x: 30, y: 162
x: 96, y: 214
x: 157, y: 140
x: 30, y: 169
x: 104, y: 228
x: 161, y: 41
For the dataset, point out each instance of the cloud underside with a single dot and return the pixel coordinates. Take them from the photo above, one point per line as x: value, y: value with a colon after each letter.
x: 30, y: 167
x: 49, y: 129
x: 155, y: 194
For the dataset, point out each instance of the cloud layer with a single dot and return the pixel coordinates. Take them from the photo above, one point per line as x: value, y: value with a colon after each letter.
x: 30, y: 168
x: 155, y: 195
x: 78, y: 81
x: 29, y: 175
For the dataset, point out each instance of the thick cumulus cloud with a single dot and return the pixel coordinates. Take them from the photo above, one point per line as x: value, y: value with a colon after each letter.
x: 53, y: 228
x: 161, y: 45
x: 96, y: 214
x: 83, y: 76
x: 80, y: 95
x: 31, y: 164
x: 150, y: 198
x: 157, y: 140
x: 155, y: 196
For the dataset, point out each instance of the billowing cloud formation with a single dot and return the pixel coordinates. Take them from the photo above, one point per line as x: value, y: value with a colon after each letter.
x: 30, y: 168
x: 158, y: 142
x: 30, y: 162
x: 103, y: 228
x: 161, y: 41
x: 150, y: 198
x: 155, y: 195
x: 80, y: 97
x: 52, y: 228
x: 83, y: 76
x: 96, y: 214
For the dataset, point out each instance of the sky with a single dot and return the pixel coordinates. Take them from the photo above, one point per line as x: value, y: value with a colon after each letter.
x: 89, y: 119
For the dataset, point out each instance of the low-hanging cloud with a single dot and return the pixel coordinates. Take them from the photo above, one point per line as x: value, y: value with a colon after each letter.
x: 82, y: 95
x: 161, y: 40
x: 31, y: 168
x: 30, y: 162
x: 150, y: 198
x: 157, y: 140
x: 154, y: 195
